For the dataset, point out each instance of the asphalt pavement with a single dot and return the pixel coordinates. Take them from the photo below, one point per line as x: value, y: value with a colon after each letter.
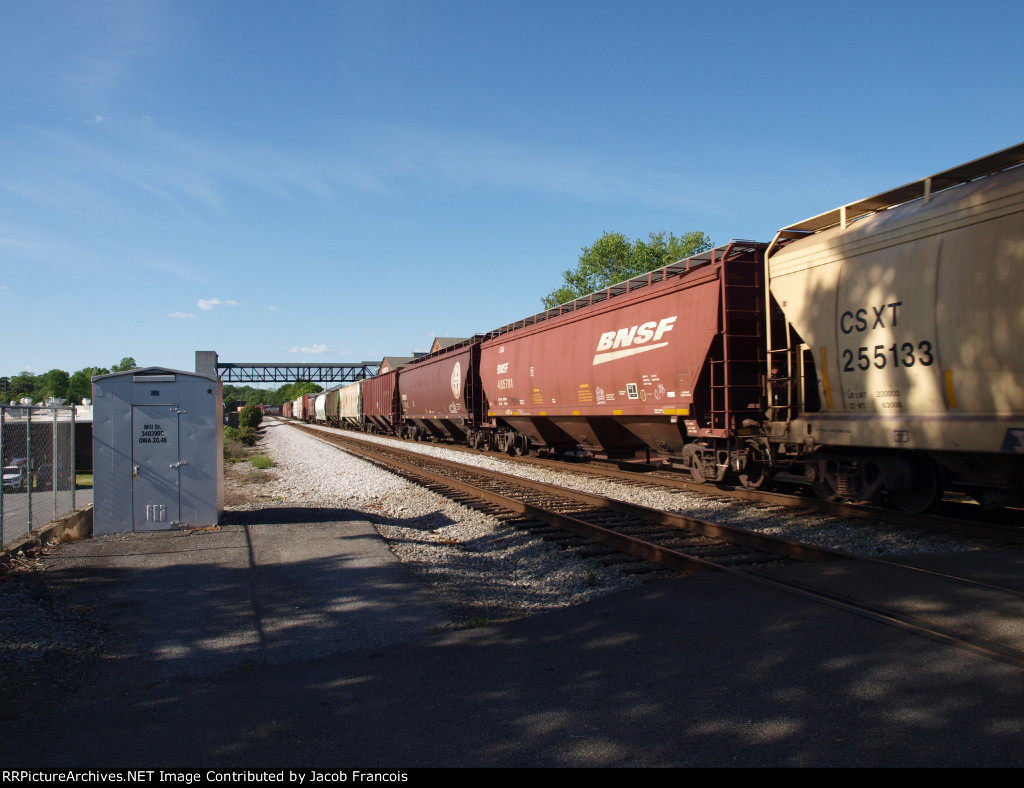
x: 288, y: 643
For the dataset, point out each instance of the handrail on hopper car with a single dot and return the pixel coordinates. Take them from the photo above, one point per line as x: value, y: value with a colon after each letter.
x: 924, y: 189
x: 1005, y: 159
x: 629, y: 285
x: 476, y: 338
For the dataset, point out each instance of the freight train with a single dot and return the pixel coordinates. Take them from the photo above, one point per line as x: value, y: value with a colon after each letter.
x: 872, y: 352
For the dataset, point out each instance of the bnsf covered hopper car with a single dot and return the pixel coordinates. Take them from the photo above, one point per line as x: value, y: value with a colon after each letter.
x: 672, y: 361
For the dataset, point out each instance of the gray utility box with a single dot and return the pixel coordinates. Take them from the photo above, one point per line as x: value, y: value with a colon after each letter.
x: 157, y: 456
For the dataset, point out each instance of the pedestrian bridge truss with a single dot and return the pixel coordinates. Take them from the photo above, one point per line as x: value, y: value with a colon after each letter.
x: 290, y: 373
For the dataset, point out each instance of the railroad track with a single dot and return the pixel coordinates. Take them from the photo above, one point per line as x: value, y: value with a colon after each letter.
x: 964, y: 520
x: 686, y: 544
x: 671, y: 540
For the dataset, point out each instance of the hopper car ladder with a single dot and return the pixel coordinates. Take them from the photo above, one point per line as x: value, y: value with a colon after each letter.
x: 737, y: 358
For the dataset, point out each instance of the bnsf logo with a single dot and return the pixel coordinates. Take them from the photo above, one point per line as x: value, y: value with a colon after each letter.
x: 627, y: 338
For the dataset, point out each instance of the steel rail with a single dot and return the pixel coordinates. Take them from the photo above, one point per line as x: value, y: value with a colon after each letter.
x: 632, y: 545
x: 768, y: 544
x: 1007, y: 534
x: 684, y: 562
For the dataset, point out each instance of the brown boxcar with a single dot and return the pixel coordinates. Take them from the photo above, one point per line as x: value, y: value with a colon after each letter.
x: 308, y: 408
x: 440, y: 393
x: 672, y: 360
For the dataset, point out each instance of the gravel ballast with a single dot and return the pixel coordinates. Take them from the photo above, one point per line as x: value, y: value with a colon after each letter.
x: 486, y: 569
x: 849, y: 534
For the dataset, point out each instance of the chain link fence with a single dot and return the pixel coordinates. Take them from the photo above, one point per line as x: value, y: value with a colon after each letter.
x: 37, y: 446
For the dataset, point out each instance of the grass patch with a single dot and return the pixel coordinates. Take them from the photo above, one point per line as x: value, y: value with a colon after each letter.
x: 234, y: 451
x: 261, y: 461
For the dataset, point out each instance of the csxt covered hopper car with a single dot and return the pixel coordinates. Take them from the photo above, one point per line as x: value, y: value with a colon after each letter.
x: 904, y: 321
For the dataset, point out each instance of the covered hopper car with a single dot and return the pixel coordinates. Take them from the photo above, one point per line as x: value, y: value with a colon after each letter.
x: 871, y: 352
x: 903, y: 321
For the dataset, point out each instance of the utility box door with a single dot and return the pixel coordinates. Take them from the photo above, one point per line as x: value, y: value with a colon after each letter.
x: 156, y: 466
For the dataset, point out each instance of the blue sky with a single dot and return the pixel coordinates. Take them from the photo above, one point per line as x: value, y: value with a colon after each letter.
x: 339, y: 181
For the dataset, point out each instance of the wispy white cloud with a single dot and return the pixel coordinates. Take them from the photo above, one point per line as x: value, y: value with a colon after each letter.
x: 55, y: 253
x: 272, y: 308
x: 463, y: 158
x: 196, y: 177
x: 210, y: 303
x: 179, y: 271
x: 312, y: 349
x: 180, y: 315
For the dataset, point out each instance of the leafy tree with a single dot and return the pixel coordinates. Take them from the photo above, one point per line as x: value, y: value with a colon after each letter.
x: 613, y: 258
x: 243, y: 395
x: 23, y: 385
x: 125, y: 364
x: 80, y: 384
x: 293, y: 391
x: 54, y: 384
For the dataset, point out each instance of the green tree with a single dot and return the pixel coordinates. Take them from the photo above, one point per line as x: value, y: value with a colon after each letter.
x: 24, y: 385
x: 293, y: 391
x: 125, y: 364
x: 54, y: 384
x: 613, y: 258
x: 80, y: 384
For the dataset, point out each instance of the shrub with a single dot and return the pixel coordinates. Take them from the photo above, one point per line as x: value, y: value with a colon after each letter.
x: 261, y: 461
x: 249, y: 416
x: 247, y: 436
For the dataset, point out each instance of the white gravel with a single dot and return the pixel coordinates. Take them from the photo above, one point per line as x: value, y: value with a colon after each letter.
x: 854, y: 535
x: 487, y: 569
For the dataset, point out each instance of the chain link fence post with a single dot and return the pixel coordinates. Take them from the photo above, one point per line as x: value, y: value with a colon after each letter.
x: 3, y: 465
x: 28, y: 466
x: 74, y: 460
x: 33, y: 469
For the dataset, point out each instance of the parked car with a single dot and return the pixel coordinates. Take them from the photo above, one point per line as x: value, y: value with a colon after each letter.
x: 15, y: 475
x: 44, y: 477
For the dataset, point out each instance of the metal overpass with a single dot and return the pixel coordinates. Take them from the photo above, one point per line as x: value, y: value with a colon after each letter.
x: 207, y: 363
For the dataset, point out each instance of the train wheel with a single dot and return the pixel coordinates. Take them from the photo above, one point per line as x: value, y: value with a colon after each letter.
x: 757, y: 473
x: 823, y: 481
x: 692, y: 464
x: 824, y: 490
x: 924, y: 488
